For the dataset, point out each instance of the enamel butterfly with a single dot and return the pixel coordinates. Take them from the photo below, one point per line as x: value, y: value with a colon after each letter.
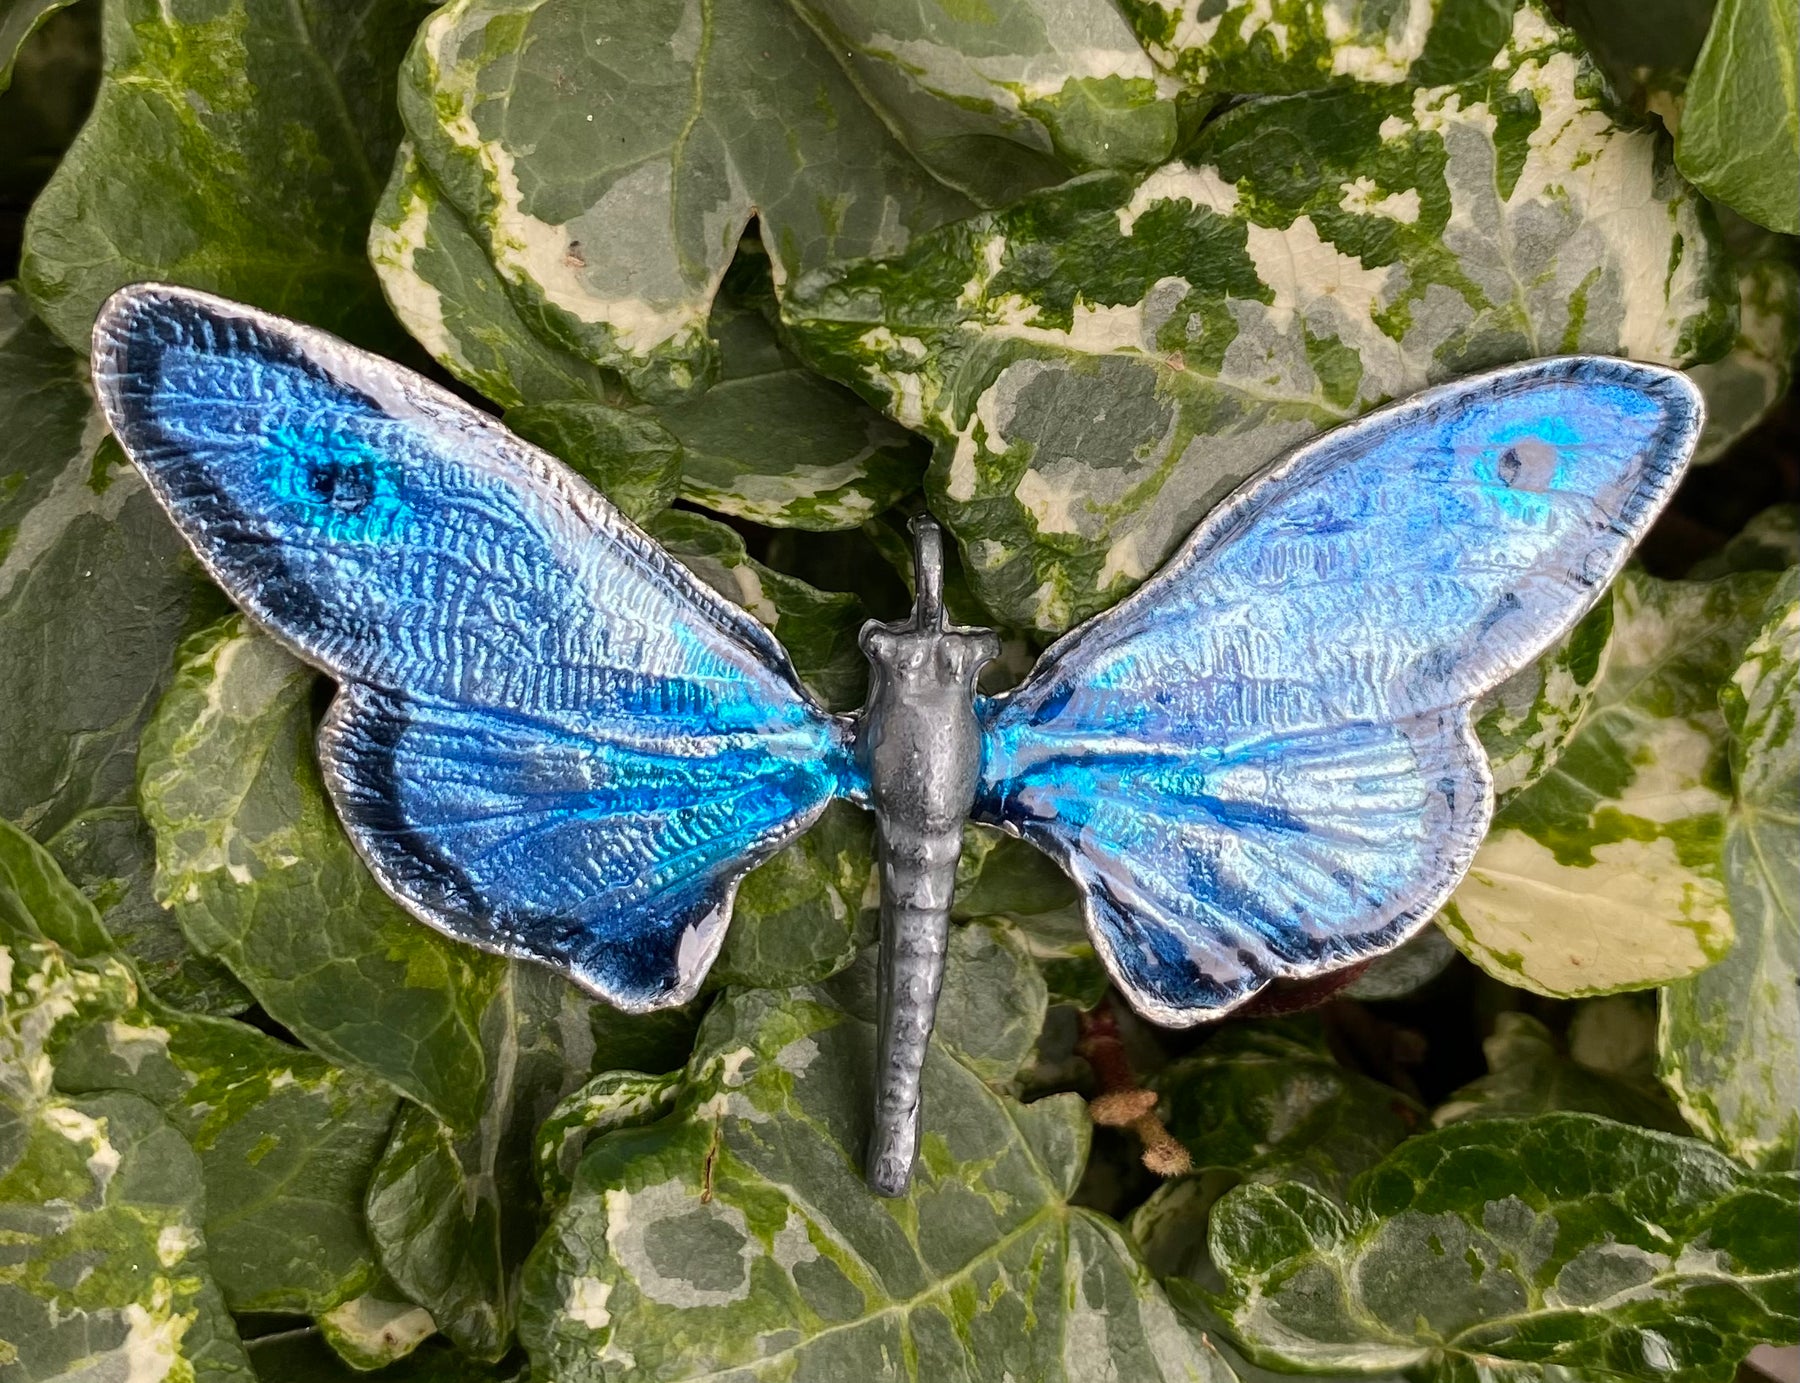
x: 550, y: 740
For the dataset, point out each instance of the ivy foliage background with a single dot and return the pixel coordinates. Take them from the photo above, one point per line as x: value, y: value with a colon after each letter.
x: 773, y: 274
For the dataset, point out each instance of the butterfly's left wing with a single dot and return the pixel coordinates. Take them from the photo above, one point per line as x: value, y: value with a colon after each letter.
x: 1260, y: 765
x: 549, y: 739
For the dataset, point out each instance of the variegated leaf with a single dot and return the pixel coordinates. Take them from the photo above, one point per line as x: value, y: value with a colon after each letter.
x: 1608, y: 874
x: 1730, y: 1036
x: 607, y: 161
x: 1102, y: 363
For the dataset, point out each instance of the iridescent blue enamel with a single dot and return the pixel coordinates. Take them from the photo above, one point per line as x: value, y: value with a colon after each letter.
x: 552, y: 741
x: 1260, y: 765
x: 549, y: 738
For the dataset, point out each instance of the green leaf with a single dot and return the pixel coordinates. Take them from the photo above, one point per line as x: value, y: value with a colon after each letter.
x: 106, y: 1268
x: 796, y: 917
x: 441, y: 286
x: 286, y: 1140
x: 287, y: 1143
x: 1001, y: 100
x: 311, y: 1356
x: 625, y: 454
x: 1100, y: 364
x: 1565, y: 1239
x: 1744, y: 386
x: 736, y: 1234
x: 1769, y: 542
x: 774, y: 443
x: 258, y: 872
x: 1299, y: 45
x: 1739, y: 140
x: 1405, y: 970
x: 1730, y: 1036
x: 770, y: 442
x: 237, y: 147
x: 372, y: 1332
x: 1268, y: 1102
x: 454, y: 1214
x: 1528, y: 1074
x: 608, y: 161
x: 1646, y: 47
x: 1526, y: 721
x: 36, y: 900
x: 19, y: 19
x: 96, y: 591
x: 1608, y: 874
x: 611, y: 1100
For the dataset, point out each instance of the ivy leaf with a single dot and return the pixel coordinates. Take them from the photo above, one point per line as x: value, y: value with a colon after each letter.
x: 1525, y: 722
x: 441, y: 286
x: 286, y: 1140
x: 96, y: 591
x: 1528, y: 1074
x: 1565, y: 1239
x: 1730, y: 1036
x: 1647, y: 50
x: 259, y: 873
x: 774, y: 443
x: 453, y: 1214
x: 999, y: 102
x: 608, y: 162
x: 287, y: 1143
x: 770, y: 442
x: 371, y: 1332
x: 100, y: 1199
x: 1405, y: 970
x: 736, y: 1234
x: 1100, y: 364
x: 272, y: 126
x: 611, y: 1100
x: 625, y: 454
x: 19, y: 19
x: 1769, y: 542
x: 1268, y: 1102
x: 1745, y: 385
x: 1300, y: 45
x: 311, y: 1356
x: 1609, y: 873
x: 1739, y: 140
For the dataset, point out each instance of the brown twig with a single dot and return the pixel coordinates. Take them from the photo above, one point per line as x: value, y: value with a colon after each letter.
x: 1122, y: 1102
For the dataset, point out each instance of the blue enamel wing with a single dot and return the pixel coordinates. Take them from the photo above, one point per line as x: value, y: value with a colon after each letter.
x: 550, y: 740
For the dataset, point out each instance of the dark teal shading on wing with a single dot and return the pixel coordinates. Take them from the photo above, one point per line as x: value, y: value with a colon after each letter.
x: 550, y: 739
x: 1260, y: 764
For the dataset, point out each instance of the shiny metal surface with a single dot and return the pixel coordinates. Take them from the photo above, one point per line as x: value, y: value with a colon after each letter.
x: 549, y: 739
x: 919, y: 744
x: 552, y: 741
x: 1260, y: 764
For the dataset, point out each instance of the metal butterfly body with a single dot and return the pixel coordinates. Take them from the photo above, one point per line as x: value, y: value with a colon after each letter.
x: 552, y: 741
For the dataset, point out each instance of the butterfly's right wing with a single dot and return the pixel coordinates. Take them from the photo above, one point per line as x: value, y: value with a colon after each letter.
x: 1260, y: 765
x: 550, y: 738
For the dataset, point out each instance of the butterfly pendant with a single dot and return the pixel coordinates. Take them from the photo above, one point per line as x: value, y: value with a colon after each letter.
x: 552, y: 741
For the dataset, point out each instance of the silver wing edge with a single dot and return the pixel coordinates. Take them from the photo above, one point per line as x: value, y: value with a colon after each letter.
x: 1238, y: 509
x: 1236, y: 512
x: 701, y: 942
x: 1400, y: 926
x: 409, y: 397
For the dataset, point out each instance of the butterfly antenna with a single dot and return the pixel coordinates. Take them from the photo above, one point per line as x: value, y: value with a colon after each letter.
x: 928, y: 572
